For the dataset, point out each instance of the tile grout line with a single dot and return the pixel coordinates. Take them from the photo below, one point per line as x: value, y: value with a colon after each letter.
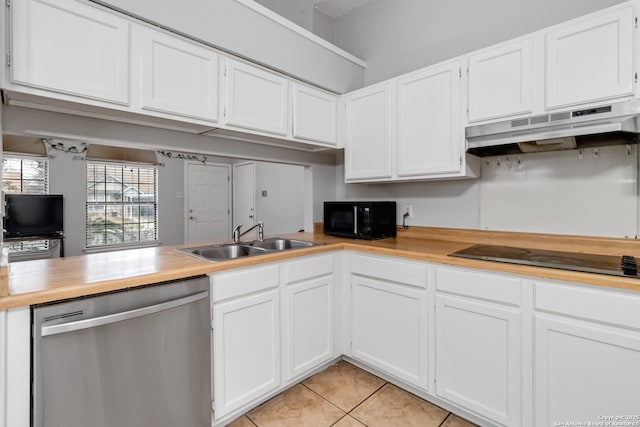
x: 325, y: 399
x: 250, y: 420
x: 365, y: 399
x: 445, y: 419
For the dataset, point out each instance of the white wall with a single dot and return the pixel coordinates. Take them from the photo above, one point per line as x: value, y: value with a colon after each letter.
x: 436, y: 204
x: 396, y: 37
x: 282, y: 209
x: 554, y: 192
x: 67, y: 175
x: 233, y: 27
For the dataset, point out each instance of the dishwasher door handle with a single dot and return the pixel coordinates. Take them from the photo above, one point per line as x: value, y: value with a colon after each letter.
x: 119, y: 317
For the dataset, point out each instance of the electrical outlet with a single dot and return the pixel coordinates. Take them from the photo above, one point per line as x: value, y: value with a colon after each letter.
x: 408, y: 209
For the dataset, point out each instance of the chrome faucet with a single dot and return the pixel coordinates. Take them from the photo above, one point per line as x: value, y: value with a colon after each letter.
x: 237, y: 235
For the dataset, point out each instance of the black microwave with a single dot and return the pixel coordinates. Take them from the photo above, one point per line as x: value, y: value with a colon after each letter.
x: 360, y: 220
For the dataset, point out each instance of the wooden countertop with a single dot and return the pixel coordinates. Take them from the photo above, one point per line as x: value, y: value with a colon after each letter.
x: 35, y: 282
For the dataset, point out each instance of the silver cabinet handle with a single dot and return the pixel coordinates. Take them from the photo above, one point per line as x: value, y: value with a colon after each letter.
x: 355, y: 220
x: 119, y: 317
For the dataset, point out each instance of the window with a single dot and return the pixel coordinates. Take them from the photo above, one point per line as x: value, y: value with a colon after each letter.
x: 24, y: 175
x: 27, y: 175
x: 121, y: 204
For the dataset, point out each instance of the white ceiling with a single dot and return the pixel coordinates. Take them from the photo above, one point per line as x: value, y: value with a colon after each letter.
x: 337, y: 8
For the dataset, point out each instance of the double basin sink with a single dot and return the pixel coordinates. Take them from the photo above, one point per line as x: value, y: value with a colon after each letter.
x: 227, y: 251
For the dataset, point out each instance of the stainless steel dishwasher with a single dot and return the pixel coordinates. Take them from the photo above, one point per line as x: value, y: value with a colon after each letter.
x: 139, y: 357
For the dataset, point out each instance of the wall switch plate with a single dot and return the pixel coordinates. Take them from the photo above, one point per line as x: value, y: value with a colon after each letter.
x: 263, y: 193
x: 408, y: 209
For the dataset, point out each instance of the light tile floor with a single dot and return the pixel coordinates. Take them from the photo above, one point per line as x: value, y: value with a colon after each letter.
x: 346, y: 396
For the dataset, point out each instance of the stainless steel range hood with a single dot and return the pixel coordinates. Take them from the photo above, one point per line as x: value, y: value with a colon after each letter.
x: 612, y: 124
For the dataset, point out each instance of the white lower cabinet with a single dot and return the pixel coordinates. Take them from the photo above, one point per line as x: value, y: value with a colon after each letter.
x: 246, y: 337
x: 272, y: 325
x: 478, y: 343
x: 477, y: 357
x: 389, y: 317
x: 309, y: 315
x: 587, y: 366
x: 15, y: 367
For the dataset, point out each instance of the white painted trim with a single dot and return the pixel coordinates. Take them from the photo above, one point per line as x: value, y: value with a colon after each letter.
x: 18, y: 367
x: 3, y: 368
x: 252, y: 4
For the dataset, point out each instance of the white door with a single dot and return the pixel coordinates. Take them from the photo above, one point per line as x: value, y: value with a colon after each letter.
x: 309, y: 325
x: 71, y: 47
x: 500, y: 81
x: 368, y: 143
x: 389, y: 328
x: 314, y: 114
x: 590, y: 59
x: 246, y: 350
x: 429, y: 137
x: 208, y: 202
x: 256, y: 99
x: 244, y: 195
x: 584, y: 371
x: 176, y: 76
x: 478, y: 357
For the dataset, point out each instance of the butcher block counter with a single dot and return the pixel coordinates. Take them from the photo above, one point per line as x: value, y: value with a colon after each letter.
x: 34, y: 282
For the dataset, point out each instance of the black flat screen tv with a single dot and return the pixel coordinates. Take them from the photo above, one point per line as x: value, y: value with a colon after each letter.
x: 29, y: 215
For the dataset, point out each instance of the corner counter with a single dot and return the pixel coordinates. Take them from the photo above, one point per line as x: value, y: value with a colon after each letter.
x: 35, y: 282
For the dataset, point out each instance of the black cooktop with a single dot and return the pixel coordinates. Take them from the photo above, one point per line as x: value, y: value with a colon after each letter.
x: 589, y: 263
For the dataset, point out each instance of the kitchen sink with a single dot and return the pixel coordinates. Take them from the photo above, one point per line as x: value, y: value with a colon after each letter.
x: 278, y: 244
x: 226, y: 251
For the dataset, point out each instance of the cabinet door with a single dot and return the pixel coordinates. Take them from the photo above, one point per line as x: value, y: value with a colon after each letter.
x: 584, y: 371
x: 256, y: 98
x: 176, y: 76
x: 590, y: 59
x: 478, y: 350
x: 246, y: 336
x: 309, y: 325
x: 389, y: 328
x: 500, y: 81
x: 368, y: 133
x: 314, y: 114
x: 428, y: 121
x: 70, y: 47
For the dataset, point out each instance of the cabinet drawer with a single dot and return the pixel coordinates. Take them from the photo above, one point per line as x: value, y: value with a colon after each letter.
x: 617, y: 308
x: 245, y: 281
x: 394, y: 270
x: 308, y: 268
x: 487, y: 286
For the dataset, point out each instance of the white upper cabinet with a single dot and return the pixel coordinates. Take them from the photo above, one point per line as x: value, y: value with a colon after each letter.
x: 429, y: 132
x: 256, y: 99
x: 590, y: 59
x: 175, y: 76
x: 314, y: 114
x: 70, y: 47
x: 500, y: 81
x: 407, y: 128
x: 368, y: 150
